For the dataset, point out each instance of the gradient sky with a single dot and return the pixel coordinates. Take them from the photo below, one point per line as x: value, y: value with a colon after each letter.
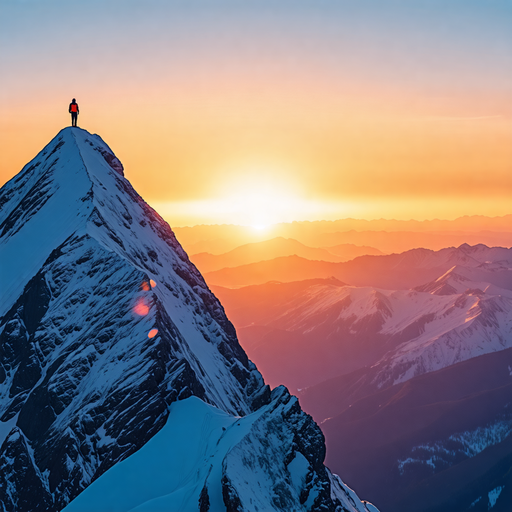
x: 259, y: 111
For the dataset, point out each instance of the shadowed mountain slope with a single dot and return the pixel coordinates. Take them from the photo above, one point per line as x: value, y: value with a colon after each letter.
x: 440, y: 441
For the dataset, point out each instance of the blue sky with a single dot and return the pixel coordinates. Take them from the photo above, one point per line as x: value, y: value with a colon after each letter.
x: 317, y: 89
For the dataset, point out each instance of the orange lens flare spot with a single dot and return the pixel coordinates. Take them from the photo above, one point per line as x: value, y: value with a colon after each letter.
x: 152, y: 283
x: 141, y: 308
x: 152, y: 333
x: 145, y: 286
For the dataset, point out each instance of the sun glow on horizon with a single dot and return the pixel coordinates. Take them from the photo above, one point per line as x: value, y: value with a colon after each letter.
x: 260, y: 227
x: 256, y: 199
x: 234, y: 211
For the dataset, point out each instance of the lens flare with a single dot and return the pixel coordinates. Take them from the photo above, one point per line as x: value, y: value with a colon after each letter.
x: 141, y: 308
x: 145, y: 286
x: 152, y: 333
x: 152, y: 283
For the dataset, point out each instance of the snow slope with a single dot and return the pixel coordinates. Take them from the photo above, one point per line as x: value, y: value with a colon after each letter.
x: 172, y: 468
x: 202, y: 454
x: 422, y: 332
x: 305, y: 332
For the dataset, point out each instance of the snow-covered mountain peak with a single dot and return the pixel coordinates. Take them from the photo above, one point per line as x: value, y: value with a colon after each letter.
x: 492, y: 277
x: 102, y: 309
x: 72, y: 202
x: 104, y: 323
x: 465, y: 255
x: 73, y: 182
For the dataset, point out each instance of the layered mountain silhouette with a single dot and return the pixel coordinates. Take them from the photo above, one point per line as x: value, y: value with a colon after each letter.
x: 120, y: 373
x: 388, y: 236
x: 276, y: 248
x: 394, y: 271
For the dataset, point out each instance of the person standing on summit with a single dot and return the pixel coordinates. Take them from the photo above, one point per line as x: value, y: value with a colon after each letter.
x: 73, y: 109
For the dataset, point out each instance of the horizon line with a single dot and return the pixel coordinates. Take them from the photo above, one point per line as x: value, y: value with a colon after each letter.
x: 346, y: 219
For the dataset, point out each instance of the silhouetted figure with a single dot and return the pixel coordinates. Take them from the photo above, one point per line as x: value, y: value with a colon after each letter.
x: 73, y: 109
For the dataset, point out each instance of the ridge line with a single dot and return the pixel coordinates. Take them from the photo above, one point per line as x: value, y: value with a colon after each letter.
x: 81, y: 157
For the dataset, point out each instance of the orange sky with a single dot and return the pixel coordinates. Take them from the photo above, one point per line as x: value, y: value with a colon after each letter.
x: 257, y: 116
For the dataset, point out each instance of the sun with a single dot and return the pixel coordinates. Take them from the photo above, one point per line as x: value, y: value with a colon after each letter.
x: 261, y: 197
x: 260, y: 227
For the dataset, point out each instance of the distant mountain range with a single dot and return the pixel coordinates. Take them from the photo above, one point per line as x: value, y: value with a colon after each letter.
x: 400, y: 241
x: 395, y: 271
x: 419, y: 376
x: 276, y: 248
x: 334, y: 328
x: 388, y: 236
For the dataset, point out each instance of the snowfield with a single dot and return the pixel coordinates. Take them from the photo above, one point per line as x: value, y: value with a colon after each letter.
x: 199, y: 447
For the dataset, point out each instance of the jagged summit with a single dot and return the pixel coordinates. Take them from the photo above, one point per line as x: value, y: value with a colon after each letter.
x: 57, y: 192
x: 68, y: 185
x: 104, y: 323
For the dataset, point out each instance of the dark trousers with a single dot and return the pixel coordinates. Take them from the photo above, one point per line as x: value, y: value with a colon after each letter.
x: 74, y: 116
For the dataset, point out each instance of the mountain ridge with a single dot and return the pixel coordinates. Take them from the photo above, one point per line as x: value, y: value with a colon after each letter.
x: 273, y: 248
x: 390, y: 271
